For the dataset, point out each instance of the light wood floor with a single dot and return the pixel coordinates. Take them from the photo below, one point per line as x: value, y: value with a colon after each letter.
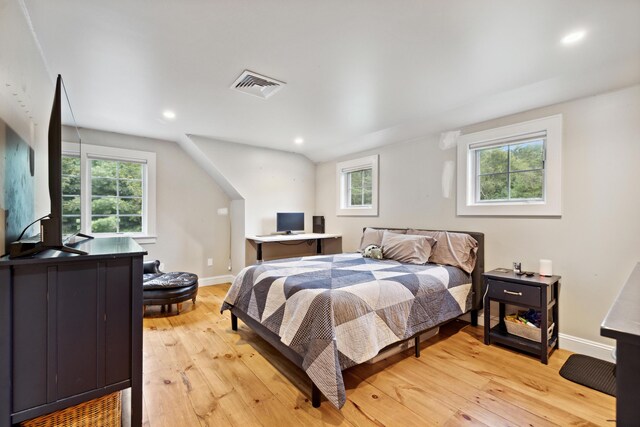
x: 197, y: 371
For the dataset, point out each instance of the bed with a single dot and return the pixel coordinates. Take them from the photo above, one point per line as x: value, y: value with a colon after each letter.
x: 327, y: 313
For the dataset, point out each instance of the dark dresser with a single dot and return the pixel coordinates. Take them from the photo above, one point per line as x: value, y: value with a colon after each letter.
x: 623, y: 324
x: 70, y: 328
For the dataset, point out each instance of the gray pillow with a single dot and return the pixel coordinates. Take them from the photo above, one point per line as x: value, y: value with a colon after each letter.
x: 405, y: 248
x: 457, y: 249
x: 372, y: 236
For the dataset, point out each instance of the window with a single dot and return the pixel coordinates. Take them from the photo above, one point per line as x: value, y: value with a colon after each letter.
x: 71, y: 223
x: 357, y: 187
x: 513, y: 170
x: 360, y: 188
x: 116, y: 195
x: 510, y: 171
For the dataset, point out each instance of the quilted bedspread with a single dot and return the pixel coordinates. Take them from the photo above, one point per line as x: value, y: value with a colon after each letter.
x: 338, y: 311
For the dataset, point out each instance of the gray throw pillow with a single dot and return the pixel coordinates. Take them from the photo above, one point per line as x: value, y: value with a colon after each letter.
x: 405, y: 248
x: 372, y: 236
x: 457, y: 249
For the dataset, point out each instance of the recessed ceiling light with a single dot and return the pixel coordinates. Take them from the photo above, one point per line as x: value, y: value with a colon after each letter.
x: 573, y: 37
x: 168, y: 114
x: 298, y: 141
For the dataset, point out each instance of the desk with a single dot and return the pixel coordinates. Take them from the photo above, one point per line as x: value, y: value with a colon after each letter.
x: 278, y: 246
x: 623, y: 324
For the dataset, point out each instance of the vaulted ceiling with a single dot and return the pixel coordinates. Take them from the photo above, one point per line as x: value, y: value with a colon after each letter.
x: 358, y: 73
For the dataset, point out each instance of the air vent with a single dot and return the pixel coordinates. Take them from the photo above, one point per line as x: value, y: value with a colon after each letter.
x: 257, y: 84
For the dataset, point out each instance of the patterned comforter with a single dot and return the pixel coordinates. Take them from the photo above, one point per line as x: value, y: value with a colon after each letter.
x: 338, y: 311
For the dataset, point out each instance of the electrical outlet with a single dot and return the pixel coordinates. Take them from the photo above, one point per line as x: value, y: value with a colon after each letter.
x: 210, y: 262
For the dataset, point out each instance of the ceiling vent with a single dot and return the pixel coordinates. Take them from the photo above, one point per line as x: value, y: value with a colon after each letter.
x: 257, y: 84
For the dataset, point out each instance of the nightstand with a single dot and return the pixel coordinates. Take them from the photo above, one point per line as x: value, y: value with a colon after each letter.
x: 538, y: 292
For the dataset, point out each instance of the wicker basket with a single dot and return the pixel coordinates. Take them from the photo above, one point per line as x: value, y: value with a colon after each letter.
x: 104, y: 411
x: 527, y: 332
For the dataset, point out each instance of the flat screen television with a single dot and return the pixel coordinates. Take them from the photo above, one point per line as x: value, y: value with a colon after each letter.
x: 50, y: 236
x: 288, y: 222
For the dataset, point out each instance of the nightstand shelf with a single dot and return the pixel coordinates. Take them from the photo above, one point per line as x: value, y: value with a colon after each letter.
x: 537, y: 292
x: 519, y: 343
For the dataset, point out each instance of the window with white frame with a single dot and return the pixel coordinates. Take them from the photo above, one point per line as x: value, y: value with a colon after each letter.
x: 512, y: 170
x: 116, y: 196
x: 109, y: 191
x: 357, y: 187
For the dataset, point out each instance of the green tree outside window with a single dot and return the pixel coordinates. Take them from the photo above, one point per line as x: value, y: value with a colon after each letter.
x: 360, y: 188
x: 70, y: 195
x: 116, y: 196
x: 511, y: 172
x: 116, y: 203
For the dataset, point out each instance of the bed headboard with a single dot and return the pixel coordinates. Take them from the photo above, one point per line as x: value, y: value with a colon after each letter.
x: 476, y: 274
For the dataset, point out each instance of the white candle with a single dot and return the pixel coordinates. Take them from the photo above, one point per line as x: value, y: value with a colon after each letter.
x: 545, y: 267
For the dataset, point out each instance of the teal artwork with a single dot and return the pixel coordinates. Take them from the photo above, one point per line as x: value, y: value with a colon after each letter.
x: 17, y: 168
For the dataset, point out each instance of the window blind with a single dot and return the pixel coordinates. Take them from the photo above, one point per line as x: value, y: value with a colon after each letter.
x: 533, y: 136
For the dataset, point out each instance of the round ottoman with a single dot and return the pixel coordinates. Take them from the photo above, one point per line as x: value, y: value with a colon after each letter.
x: 169, y: 288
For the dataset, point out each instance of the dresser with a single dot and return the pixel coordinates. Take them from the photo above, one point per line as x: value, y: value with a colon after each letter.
x: 70, y: 328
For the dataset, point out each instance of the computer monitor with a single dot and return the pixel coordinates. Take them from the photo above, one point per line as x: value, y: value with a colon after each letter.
x: 288, y: 222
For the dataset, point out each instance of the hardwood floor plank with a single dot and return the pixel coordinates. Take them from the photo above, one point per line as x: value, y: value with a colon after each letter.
x: 463, y: 419
x: 377, y: 407
x: 446, y: 391
x: 165, y: 395
x: 205, y: 404
x: 197, y: 371
x: 550, y: 412
x: 235, y: 408
x: 519, y: 372
x: 419, y: 398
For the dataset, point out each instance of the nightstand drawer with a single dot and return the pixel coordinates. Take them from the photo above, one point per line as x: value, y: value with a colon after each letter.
x: 514, y: 293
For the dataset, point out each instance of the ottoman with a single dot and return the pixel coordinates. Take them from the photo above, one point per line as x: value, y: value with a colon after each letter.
x: 165, y: 289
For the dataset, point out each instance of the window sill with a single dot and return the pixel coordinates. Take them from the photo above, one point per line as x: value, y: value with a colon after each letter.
x: 506, y: 203
x: 357, y: 212
x: 516, y: 209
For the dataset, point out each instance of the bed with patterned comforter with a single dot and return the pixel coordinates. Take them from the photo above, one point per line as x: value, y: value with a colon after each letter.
x: 340, y: 310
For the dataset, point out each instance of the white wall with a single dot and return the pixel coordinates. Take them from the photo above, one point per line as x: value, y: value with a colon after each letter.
x: 26, y: 96
x: 270, y: 181
x: 188, y: 227
x: 593, y: 245
x: 237, y: 217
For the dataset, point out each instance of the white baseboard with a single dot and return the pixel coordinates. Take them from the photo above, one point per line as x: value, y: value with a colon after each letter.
x: 587, y: 347
x: 567, y: 342
x: 215, y: 280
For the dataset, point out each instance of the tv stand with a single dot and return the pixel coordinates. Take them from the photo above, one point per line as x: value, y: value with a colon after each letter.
x: 84, y: 236
x: 36, y: 244
x: 71, y: 329
x: 23, y: 248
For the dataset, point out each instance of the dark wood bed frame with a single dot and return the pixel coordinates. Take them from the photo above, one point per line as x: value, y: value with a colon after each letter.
x: 274, y: 339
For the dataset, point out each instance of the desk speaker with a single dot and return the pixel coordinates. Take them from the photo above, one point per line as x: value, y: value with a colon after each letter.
x: 318, y: 224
